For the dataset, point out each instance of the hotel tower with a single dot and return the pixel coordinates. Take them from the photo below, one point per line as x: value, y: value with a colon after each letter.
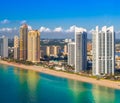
x: 16, y: 47
x: 103, y: 51
x: 3, y: 47
x: 34, y: 46
x: 71, y: 54
x: 23, y: 41
x: 80, y: 49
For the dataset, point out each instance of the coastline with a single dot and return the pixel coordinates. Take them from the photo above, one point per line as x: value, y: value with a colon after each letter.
x: 105, y: 83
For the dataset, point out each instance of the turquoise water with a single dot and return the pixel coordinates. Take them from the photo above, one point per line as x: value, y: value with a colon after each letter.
x: 22, y: 86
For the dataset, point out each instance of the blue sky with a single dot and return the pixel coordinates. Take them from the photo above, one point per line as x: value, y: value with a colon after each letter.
x: 60, y: 13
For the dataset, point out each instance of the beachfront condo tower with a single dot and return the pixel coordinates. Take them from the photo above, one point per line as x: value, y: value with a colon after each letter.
x: 34, y: 46
x: 71, y: 54
x: 16, y: 47
x: 23, y: 41
x: 80, y: 49
x: 3, y: 47
x: 103, y: 51
x: 65, y: 50
x: 52, y: 50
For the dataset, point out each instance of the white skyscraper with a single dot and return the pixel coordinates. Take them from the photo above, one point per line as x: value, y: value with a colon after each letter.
x: 3, y: 46
x: 103, y: 50
x: 80, y: 49
x: 71, y: 54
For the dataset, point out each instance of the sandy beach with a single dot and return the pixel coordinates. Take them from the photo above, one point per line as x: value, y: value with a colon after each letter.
x: 106, y: 83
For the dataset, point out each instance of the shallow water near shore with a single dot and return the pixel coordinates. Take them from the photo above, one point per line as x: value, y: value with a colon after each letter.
x: 26, y: 86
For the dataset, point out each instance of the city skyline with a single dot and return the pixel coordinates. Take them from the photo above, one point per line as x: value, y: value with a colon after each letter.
x: 59, y: 51
x: 60, y: 18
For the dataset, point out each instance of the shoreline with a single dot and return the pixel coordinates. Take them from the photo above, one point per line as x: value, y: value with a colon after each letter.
x: 40, y: 69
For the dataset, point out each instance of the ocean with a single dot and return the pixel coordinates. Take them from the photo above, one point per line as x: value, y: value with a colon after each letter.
x: 26, y: 86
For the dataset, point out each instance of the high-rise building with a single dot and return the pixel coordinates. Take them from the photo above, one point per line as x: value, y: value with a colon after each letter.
x: 48, y: 50
x: 43, y: 51
x: 34, y: 46
x: 71, y: 54
x: 16, y: 47
x: 56, y: 50
x: 52, y: 50
x: 80, y: 49
x: 103, y: 50
x: 3, y: 46
x: 65, y: 49
x: 23, y: 42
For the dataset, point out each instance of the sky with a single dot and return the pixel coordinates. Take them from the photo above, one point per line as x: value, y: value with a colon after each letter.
x: 58, y: 16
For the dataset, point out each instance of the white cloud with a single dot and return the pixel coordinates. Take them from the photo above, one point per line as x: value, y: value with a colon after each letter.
x: 58, y: 29
x: 48, y: 30
x: 9, y: 32
x: 5, y: 21
x: 71, y: 29
x: 8, y: 29
x: 29, y: 27
x: 90, y: 31
x: 44, y: 29
x: 23, y: 22
x: 80, y: 29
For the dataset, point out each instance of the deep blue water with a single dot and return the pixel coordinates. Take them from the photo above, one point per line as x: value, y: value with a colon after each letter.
x: 22, y: 86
